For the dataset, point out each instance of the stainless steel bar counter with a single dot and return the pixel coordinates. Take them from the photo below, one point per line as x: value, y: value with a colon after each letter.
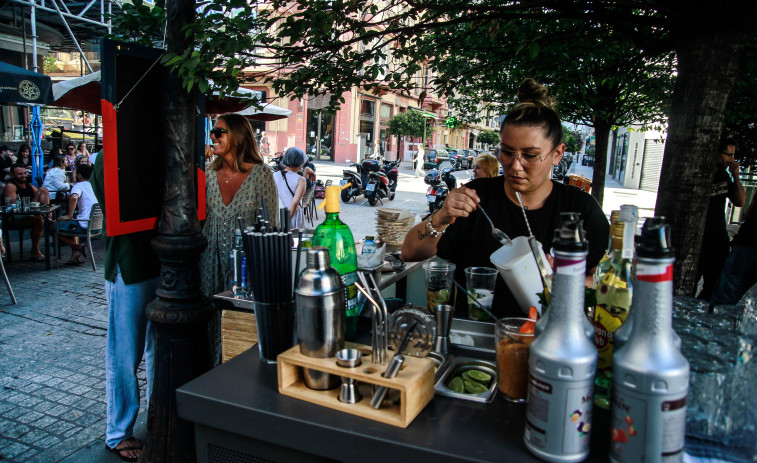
x: 239, y: 416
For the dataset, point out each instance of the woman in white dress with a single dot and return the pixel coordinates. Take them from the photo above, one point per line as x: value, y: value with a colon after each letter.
x: 291, y: 185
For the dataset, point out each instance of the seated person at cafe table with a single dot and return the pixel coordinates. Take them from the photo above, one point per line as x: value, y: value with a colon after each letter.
x: 82, y: 196
x: 56, y: 179
x: 531, y: 143
x: 19, y: 188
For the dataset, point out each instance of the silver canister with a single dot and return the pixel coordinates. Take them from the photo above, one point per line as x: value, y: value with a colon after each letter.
x: 321, y: 313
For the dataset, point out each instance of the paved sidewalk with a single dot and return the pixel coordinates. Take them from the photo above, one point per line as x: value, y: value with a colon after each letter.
x: 52, y: 361
x: 52, y: 343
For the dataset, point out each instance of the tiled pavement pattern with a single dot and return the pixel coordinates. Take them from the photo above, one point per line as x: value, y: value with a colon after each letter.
x: 52, y: 359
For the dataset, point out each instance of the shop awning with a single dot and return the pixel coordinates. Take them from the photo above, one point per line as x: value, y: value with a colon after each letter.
x: 85, y: 93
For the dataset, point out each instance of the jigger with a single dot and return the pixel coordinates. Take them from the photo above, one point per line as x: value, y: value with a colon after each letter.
x: 443, y: 314
x: 349, y: 358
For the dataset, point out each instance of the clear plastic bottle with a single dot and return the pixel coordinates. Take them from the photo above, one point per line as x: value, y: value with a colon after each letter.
x: 238, y: 266
x: 369, y: 246
x: 562, y: 360
x: 648, y: 414
x: 336, y: 236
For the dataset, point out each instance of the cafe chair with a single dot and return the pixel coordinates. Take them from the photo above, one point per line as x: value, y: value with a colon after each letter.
x: 308, y: 205
x: 7, y: 282
x: 6, y: 234
x: 94, y: 229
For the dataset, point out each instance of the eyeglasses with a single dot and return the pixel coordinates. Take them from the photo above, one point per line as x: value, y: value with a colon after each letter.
x: 218, y: 131
x: 525, y: 158
x: 70, y: 148
x: 730, y: 155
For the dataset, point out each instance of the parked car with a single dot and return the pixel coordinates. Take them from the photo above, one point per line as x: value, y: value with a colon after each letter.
x: 587, y: 160
x: 434, y: 158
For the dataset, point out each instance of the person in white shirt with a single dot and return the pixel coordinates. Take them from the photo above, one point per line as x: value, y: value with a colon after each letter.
x: 82, y: 196
x: 56, y: 179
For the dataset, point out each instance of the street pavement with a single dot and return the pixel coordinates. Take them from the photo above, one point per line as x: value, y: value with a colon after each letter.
x: 52, y: 343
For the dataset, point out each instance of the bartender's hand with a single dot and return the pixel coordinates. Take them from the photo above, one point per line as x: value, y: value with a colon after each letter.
x: 460, y: 202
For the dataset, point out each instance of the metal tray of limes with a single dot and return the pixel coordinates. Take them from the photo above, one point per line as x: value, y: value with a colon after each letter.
x: 468, y: 379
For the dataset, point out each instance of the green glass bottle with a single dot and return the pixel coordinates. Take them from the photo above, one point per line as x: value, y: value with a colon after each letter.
x: 614, y: 285
x: 337, y: 237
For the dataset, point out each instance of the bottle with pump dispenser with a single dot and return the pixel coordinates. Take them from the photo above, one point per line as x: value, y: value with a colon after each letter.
x: 562, y: 360
x: 648, y: 413
x: 336, y: 236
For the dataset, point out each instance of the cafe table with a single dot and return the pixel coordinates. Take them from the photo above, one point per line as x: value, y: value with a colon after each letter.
x: 46, y: 211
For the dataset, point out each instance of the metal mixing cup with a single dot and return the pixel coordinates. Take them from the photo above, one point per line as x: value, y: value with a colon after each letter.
x: 443, y: 315
x: 321, y: 315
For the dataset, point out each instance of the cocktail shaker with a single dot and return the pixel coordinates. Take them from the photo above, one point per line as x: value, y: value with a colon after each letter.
x: 321, y: 313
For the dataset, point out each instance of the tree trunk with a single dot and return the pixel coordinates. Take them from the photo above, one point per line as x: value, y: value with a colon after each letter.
x: 602, y: 134
x: 708, y: 62
x: 180, y: 313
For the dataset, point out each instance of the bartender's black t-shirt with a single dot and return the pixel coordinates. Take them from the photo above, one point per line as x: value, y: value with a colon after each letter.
x: 469, y: 242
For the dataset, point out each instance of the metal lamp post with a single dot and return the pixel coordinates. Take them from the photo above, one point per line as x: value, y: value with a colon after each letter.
x: 180, y: 313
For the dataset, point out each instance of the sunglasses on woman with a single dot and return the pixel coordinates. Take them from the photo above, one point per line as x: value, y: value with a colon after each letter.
x: 217, y: 132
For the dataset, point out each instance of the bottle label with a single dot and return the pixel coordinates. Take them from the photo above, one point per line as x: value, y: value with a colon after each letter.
x: 570, y: 267
x: 613, y: 303
x: 350, y: 293
x: 558, y: 416
x: 654, y: 273
x: 644, y: 430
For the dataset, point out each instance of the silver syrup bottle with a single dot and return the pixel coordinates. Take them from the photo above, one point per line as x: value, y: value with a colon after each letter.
x: 321, y: 319
x: 648, y: 411
x: 563, y: 361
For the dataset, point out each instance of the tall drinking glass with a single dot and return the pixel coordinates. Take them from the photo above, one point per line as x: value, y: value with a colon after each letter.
x: 513, y: 347
x: 276, y: 329
x: 440, y: 284
x: 480, y: 282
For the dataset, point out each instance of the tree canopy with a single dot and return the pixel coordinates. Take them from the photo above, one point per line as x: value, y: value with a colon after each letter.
x: 488, y: 137
x: 608, y: 63
x: 410, y: 123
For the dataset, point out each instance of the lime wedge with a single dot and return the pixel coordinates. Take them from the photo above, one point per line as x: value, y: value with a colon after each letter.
x: 479, y: 376
x: 456, y: 385
x: 466, y: 375
x: 474, y: 387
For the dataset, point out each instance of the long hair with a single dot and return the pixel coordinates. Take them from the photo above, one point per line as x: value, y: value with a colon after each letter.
x: 242, y: 142
x: 535, y: 109
x: 58, y: 161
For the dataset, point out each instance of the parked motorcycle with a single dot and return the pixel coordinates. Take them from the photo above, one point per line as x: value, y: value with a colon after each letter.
x: 275, y: 164
x: 391, y: 169
x: 440, y: 183
x: 376, y: 182
x: 355, y: 180
x: 560, y: 171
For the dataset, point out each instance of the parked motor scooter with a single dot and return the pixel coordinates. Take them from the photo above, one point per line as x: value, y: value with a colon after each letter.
x: 354, y: 178
x: 391, y: 169
x: 440, y: 184
x: 274, y: 164
x: 376, y: 182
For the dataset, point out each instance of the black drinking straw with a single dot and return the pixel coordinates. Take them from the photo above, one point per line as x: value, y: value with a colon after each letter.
x: 296, y: 281
x: 264, y: 207
x: 240, y: 223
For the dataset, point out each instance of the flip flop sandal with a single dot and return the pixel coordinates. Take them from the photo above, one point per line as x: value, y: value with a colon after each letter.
x: 120, y: 455
x: 118, y: 451
x: 39, y: 258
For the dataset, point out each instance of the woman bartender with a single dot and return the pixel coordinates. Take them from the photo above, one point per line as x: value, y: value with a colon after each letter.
x: 531, y: 143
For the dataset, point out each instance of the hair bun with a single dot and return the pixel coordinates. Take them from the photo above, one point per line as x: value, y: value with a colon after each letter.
x: 531, y: 91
